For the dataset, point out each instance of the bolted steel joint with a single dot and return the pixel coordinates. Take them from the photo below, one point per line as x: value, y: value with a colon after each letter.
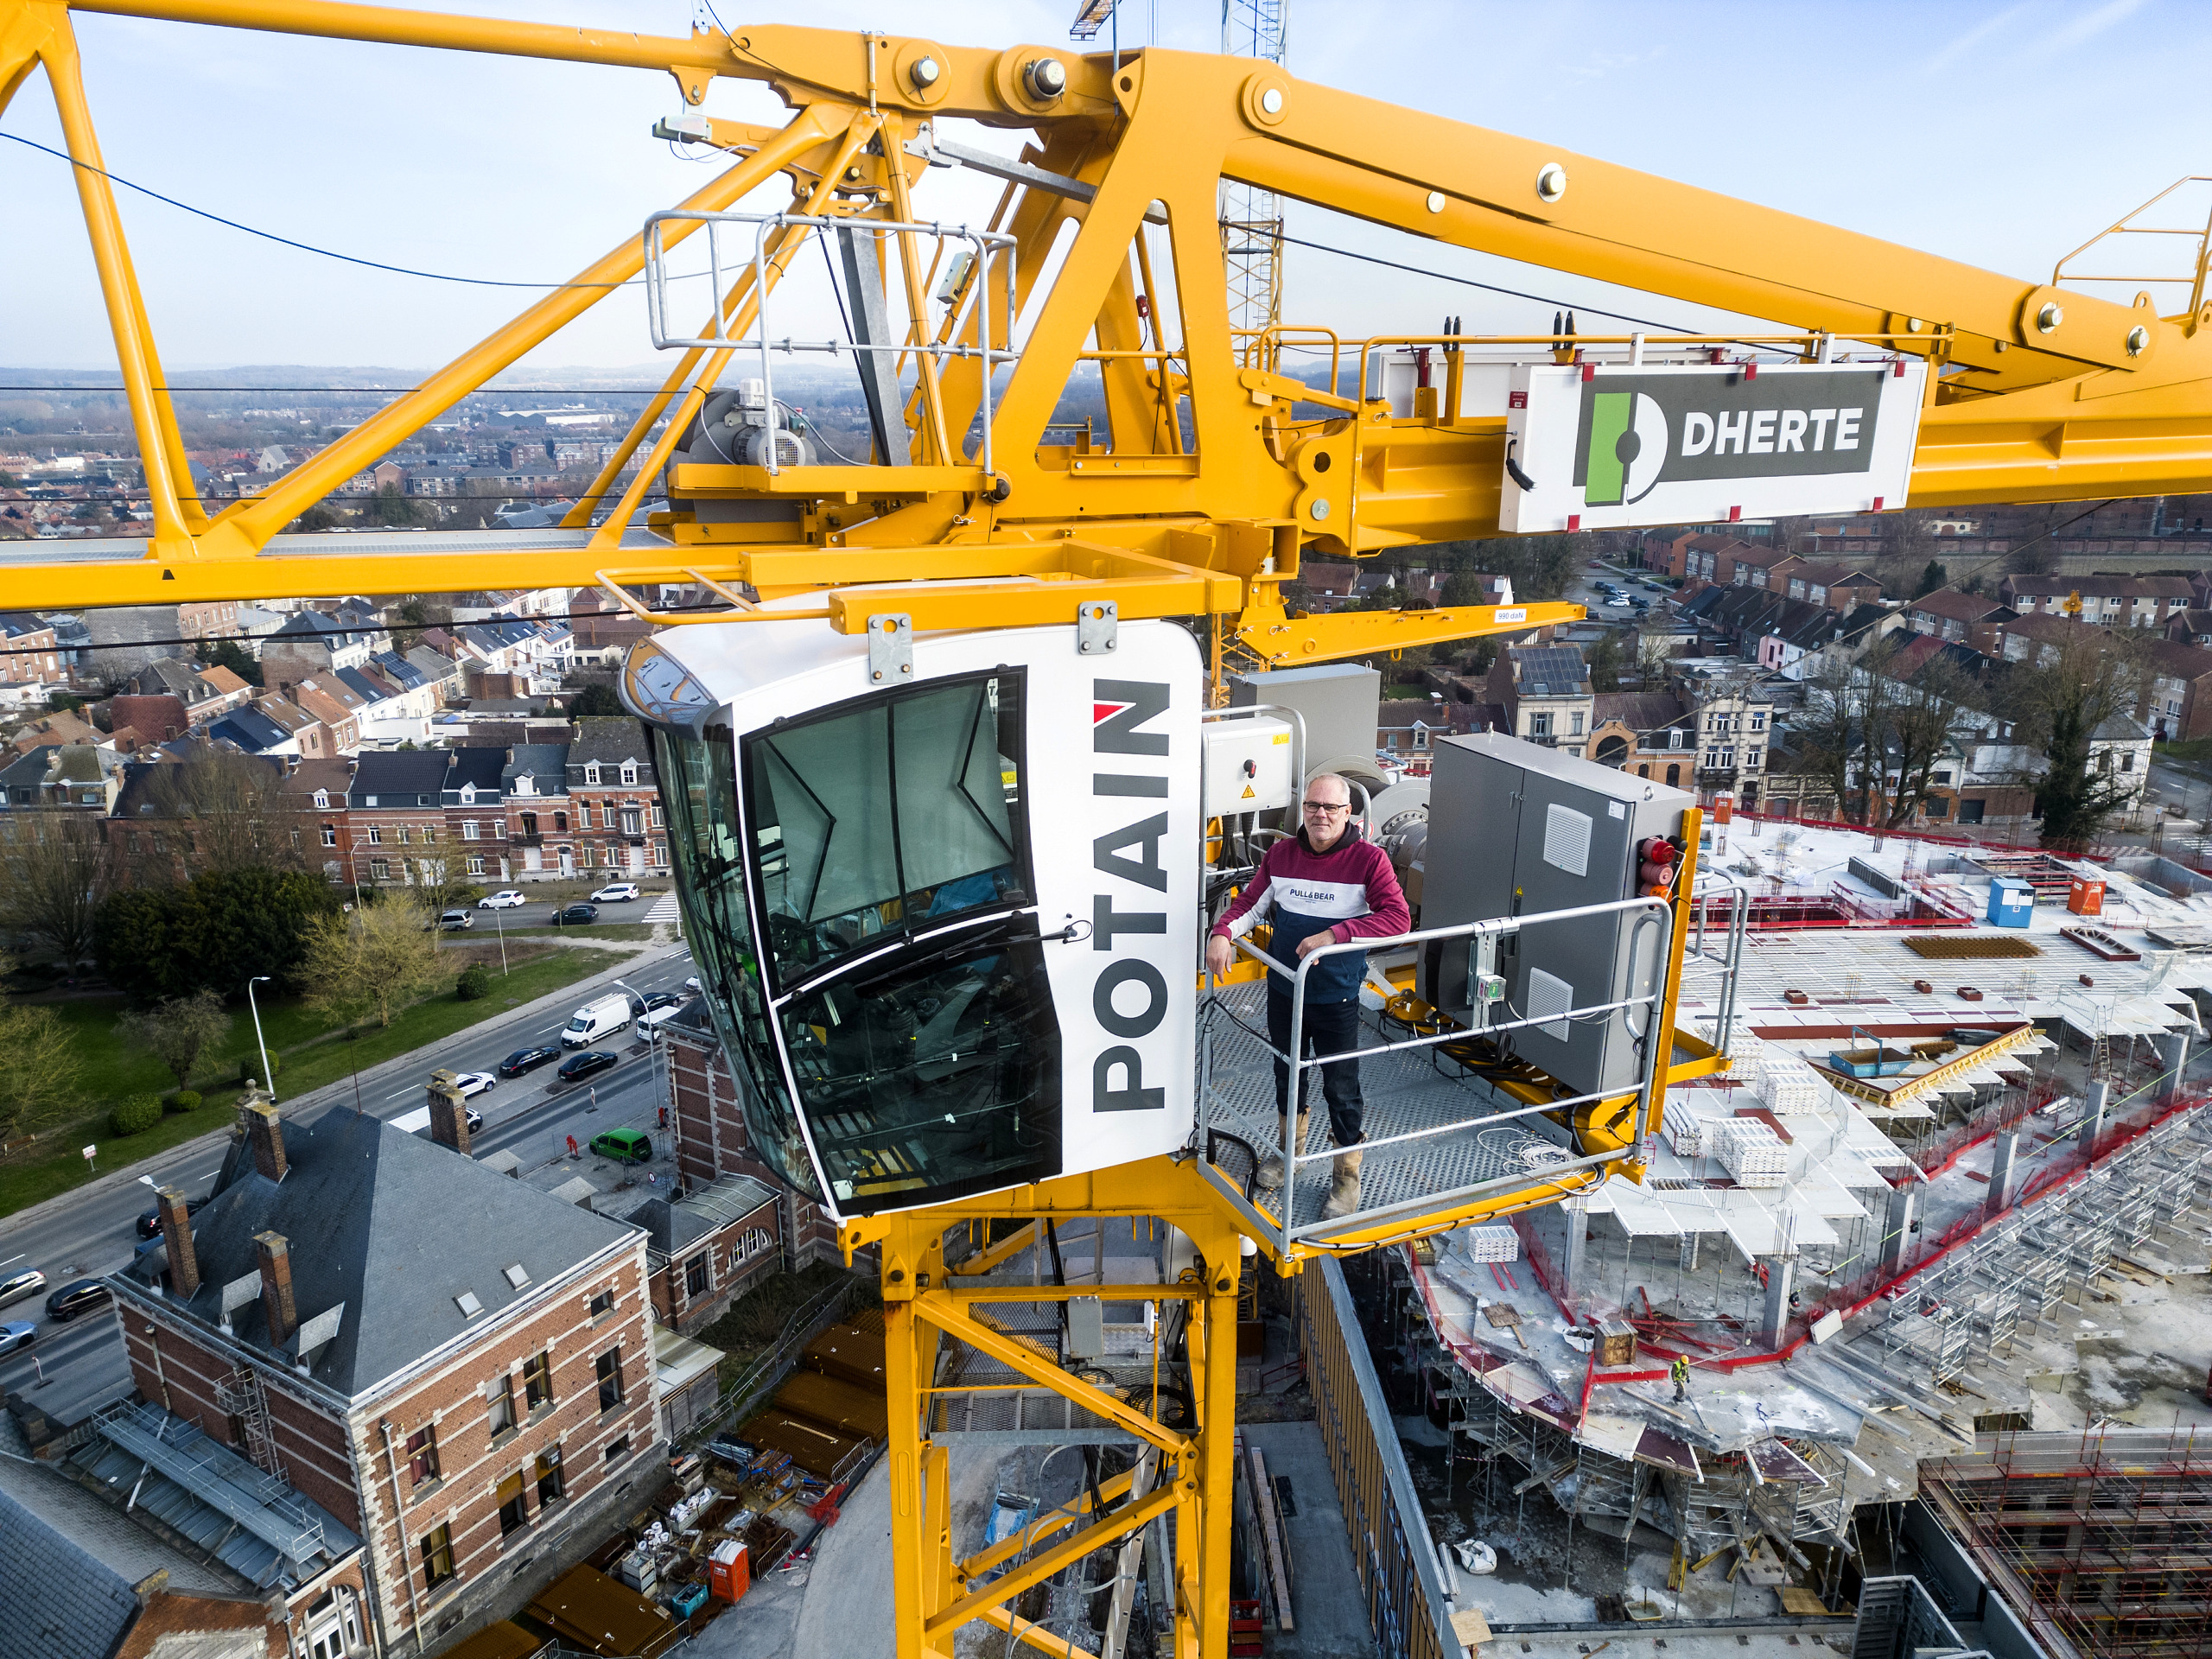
x: 924, y: 73
x: 2049, y: 318
x: 2138, y: 341
x: 1044, y: 79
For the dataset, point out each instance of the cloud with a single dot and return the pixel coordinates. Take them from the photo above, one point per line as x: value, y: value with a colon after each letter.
x: 2087, y: 26
x: 1974, y: 37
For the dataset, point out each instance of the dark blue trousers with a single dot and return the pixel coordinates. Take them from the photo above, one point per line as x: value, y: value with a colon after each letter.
x: 1328, y: 1028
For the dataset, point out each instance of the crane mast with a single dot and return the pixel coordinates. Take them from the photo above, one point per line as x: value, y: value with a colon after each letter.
x: 1020, y: 581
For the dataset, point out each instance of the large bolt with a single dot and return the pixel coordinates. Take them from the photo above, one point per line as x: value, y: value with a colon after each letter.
x: 1044, y: 78
x: 2138, y: 341
x: 2051, y: 316
x: 924, y: 72
x: 1551, y: 181
x: 1271, y: 101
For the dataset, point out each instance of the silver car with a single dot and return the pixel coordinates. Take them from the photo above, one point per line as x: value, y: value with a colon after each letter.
x: 16, y: 1335
x: 17, y: 1286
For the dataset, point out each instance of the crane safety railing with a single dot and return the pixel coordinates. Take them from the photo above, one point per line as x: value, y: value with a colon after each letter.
x: 968, y: 293
x: 1654, y: 917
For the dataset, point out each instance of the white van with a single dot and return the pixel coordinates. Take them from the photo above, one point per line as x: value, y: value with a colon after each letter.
x: 600, y: 1017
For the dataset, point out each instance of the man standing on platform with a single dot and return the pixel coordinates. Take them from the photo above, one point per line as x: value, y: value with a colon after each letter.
x: 1329, y: 885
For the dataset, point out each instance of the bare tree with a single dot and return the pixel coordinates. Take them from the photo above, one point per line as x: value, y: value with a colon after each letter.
x: 372, y: 962
x: 177, y: 1030
x: 1829, y: 733
x: 1928, y: 718
x: 230, y: 811
x: 2060, y: 703
x: 58, y: 870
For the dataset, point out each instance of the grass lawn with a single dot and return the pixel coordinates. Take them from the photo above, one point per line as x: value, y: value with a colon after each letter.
x: 313, y: 1053
x: 1405, y: 693
x: 2195, y: 751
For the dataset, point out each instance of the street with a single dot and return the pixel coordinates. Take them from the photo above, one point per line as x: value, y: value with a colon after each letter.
x: 532, y: 1116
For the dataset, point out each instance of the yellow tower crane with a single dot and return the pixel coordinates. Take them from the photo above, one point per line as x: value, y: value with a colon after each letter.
x: 975, y: 559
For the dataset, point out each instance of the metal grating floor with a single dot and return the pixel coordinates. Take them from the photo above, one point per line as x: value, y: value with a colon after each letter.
x: 1403, y: 1092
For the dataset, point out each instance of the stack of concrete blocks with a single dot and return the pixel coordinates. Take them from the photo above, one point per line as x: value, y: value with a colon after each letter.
x: 1490, y: 1244
x: 1686, y: 1128
x: 1751, y: 1152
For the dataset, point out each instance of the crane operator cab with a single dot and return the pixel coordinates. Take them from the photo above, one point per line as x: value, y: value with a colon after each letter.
x: 945, y: 909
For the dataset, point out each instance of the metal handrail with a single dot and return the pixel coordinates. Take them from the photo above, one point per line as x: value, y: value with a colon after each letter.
x: 1493, y: 927
x: 984, y: 242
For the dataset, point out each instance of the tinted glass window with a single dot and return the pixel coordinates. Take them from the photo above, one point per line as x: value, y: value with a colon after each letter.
x: 933, y: 1071
x: 886, y: 817
x: 698, y: 786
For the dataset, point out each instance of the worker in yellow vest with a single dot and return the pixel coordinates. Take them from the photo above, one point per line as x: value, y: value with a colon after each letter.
x: 1680, y: 1370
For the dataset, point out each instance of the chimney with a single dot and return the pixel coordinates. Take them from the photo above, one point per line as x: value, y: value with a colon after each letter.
x: 275, y: 1257
x: 176, y: 1231
x: 448, y: 1117
x: 266, y: 1130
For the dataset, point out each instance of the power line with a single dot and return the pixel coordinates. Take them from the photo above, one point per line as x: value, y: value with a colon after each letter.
x: 308, y: 247
x: 1469, y: 281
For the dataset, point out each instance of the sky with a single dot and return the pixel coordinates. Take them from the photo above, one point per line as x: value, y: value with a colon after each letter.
x: 1998, y: 132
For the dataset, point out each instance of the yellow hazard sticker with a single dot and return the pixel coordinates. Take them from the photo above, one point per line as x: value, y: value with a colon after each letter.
x: 1283, y: 737
x: 1249, y: 792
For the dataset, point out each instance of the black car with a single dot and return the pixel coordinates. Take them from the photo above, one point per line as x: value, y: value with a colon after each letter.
x: 656, y: 1000
x: 589, y: 1063
x: 575, y: 915
x: 81, y: 1297
x: 150, y: 1224
x: 526, y: 1059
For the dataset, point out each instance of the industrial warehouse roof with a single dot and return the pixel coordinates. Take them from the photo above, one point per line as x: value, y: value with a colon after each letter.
x: 391, y: 1229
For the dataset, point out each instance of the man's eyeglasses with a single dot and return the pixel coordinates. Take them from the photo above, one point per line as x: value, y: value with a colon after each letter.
x: 1327, y: 806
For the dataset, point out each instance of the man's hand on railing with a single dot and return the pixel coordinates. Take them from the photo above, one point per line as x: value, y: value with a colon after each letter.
x: 1314, y: 942
x: 1220, y: 955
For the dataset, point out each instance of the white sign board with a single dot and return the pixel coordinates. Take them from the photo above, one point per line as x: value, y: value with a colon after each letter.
x: 1610, y: 446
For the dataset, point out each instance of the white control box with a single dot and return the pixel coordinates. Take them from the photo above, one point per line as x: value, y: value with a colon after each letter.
x: 1248, y: 766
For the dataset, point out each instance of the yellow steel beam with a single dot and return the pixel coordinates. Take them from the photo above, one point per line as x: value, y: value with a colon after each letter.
x: 1035, y: 1635
x: 942, y: 1309
x: 1115, y: 1524
x: 1006, y: 1549
x: 1070, y: 1292
x: 994, y: 1255
x: 1295, y: 639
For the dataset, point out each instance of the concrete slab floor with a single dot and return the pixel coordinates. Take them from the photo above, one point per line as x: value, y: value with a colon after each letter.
x: 1773, y: 1643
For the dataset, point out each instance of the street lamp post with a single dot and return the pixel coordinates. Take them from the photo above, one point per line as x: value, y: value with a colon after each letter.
x: 652, y: 1037
x: 499, y: 921
x: 268, y: 1081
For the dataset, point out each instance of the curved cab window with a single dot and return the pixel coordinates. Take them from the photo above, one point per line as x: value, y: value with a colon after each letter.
x: 698, y: 786
x: 933, y: 1071
x: 887, y: 818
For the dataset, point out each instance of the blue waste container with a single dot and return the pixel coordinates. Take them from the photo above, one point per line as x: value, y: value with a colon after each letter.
x: 2012, y: 903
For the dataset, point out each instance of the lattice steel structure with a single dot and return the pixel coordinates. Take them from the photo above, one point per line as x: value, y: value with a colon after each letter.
x: 1251, y: 214
x: 2102, y: 1543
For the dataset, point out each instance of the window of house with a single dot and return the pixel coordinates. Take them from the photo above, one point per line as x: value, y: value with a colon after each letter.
x: 1728, y: 758
x: 405, y: 838
x: 695, y: 1275
x: 1936, y: 806
x: 617, y: 1448
x: 552, y: 1485
x: 468, y: 829
x: 523, y: 787
x: 2128, y: 761
x: 660, y: 853
x: 610, y: 1379
x: 1538, y: 726
x: 1674, y: 781
x: 657, y: 821
x: 376, y: 839
x: 559, y: 823
x: 1751, y: 759
x: 1942, y: 776
x: 423, y: 1454
x: 1759, y: 720
x: 322, y: 800
x: 602, y: 1303
x: 583, y: 817
x: 429, y: 834
x: 330, y: 835
x: 379, y: 870
x: 629, y: 775
x: 500, y: 1394
x: 537, y: 1380
x: 438, y: 1556
x: 591, y: 776
x: 1575, y: 727
x: 514, y: 1507
x: 1420, y: 734
x: 476, y: 866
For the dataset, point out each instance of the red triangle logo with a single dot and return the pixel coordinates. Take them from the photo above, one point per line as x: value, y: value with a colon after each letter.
x: 1102, y: 712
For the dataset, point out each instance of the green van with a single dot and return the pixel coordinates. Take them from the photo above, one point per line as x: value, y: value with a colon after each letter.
x: 624, y: 1146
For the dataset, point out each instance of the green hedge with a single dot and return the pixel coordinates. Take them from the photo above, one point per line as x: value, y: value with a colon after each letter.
x: 136, y: 1115
x: 249, y: 1068
x: 474, y: 983
x: 184, y: 1100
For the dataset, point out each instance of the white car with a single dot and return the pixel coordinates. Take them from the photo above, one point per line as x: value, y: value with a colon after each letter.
x: 506, y: 899
x: 472, y: 1084
x: 615, y: 893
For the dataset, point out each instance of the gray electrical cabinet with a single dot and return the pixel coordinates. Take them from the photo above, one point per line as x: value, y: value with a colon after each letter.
x: 1515, y: 829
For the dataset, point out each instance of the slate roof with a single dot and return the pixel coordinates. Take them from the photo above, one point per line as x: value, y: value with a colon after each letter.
x: 610, y: 740
x: 399, y: 777
x: 1961, y: 608
x: 1558, y: 668
x: 366, y: 687
x: 393, y: 1226
x: 546, y: 764
x: 474, y: 763
x: 250, y: 729
x: 57, y: 1598
x: 1640, y: 711
x: 672, y: 1228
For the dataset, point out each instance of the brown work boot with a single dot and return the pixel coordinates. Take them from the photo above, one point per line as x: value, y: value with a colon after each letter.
x: 1344, y: 1185
x: 1271, y: 1167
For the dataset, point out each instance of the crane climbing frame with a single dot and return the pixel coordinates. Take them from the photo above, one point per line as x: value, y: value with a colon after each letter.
x: 1222, y: 473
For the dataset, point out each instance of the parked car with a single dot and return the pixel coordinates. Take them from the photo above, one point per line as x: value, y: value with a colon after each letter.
x: 656, y: 1000
x: 472, y: 1084
x: 575, y: 915
x: 623, y: 1145
x: 79, y: 1297
x: 589, y: 1063
x: 475, y: 1118
x: 600, y: 1017
x: 506, y: 899
x: 527, y: 1059
x: 693, y: 985
x: 16, y: 1286
x: 16, y: 1335
x: 452, y: 919
x: 150, y: 1224
x: 616, y: 892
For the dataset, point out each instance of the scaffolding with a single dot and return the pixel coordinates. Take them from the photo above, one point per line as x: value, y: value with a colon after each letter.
x: 2102, y: 1542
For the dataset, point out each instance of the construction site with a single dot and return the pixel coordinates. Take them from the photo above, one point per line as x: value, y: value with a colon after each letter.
x: 1317, y: 979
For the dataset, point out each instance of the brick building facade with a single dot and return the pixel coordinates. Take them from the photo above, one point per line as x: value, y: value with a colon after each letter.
x: 454, y: 1366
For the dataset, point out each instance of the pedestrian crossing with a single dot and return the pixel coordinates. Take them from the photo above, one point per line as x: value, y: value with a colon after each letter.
x: 665, y: 909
